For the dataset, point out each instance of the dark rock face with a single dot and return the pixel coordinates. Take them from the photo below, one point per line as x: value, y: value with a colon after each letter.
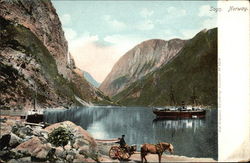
x: 27, y: 67
x: 192, y: 72
x: 138, y: 62
x: 40, y: 18
x: 4, y: 141
x: 35, y: 58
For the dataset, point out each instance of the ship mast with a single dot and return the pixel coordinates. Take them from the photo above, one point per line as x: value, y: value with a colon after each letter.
x: 194, y: 98
x: 172, y: 98
x: 35, y: 98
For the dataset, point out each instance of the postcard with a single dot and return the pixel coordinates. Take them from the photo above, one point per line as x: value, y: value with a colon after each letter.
x: 124, y: 81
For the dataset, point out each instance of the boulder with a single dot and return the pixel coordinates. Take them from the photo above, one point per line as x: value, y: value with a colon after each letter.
x: 79, y: 142
x: 25, y: 159
x: 81, y: 136
x: 84, y: 150
x: 13, y: 161
x: 14, y: 140
x: 35, y: 148
x: 24, y: 131
x: 6, y: 127
x: 38, y: 131
x: 69, y: 157
x: 67, y: 147
x: 4, y: 141
x: 60, y: 152
x: 10, y: 154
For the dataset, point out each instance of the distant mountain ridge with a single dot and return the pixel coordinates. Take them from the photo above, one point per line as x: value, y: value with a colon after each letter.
x: 193, y: 70
x: 138, y: 62
x: 90, y: 79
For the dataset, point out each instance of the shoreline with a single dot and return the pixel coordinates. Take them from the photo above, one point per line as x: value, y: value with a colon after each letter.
x: 105, y: 145
x: 102, y: 146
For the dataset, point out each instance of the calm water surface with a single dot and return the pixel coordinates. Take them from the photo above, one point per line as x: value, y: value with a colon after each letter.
x: 190, y: 137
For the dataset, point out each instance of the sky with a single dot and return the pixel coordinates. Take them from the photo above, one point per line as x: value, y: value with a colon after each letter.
x: 100, y: 32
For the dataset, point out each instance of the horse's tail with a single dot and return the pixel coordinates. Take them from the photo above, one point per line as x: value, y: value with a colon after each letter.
x: 141, y: 157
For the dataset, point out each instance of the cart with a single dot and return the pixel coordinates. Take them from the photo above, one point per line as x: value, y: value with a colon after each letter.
x: 117, y: 152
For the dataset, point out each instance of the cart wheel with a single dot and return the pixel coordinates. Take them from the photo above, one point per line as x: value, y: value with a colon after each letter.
x: 115, y: 152
x: 125, y: 155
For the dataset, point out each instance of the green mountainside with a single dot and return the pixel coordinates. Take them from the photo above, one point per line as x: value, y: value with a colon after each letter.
x: 192, y: 71
x: 28, y: 68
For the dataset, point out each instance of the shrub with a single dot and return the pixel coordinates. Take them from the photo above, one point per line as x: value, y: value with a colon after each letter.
x: 60, y: 137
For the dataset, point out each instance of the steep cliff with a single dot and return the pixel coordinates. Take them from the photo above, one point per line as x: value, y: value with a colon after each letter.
x: 138, y: 62
x: 40, y: 18
x: 35, y: 58
x: 193, y: 72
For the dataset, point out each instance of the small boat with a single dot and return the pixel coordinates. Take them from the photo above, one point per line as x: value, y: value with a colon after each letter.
x: 34, y: 116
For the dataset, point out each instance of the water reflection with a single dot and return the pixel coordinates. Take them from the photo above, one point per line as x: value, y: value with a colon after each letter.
x: 190, y: 137
x: 179, y: 124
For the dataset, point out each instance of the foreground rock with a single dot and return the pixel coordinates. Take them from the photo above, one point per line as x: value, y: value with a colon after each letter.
x: 23, y: 143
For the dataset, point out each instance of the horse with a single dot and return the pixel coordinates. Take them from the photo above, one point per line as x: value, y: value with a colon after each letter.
x: 155, y: 149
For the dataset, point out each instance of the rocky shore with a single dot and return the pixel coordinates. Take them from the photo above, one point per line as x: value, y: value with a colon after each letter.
x: 60, y: 142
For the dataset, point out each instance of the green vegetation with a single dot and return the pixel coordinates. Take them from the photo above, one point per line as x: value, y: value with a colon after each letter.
x: 20, y: 38
x: 194, y: 69
x: 60, y: 137
x: 119, y: 81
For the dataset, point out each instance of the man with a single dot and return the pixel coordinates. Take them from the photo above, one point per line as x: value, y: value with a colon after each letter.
x: 122, y: 142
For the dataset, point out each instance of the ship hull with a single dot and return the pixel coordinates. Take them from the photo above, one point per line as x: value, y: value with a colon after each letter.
x: 180, y: 114
x: 35, y: 118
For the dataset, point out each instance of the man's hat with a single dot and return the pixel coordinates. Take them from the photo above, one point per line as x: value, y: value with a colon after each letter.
x: 123, y: 135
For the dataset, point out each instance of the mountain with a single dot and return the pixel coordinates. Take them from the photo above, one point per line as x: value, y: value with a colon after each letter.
x: 138, y: 62
x: 35, y: 59
x: 90, y: 79
x: 193, y: 72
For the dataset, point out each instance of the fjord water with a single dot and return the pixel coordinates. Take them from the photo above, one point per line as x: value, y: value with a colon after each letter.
x: 190, y: 137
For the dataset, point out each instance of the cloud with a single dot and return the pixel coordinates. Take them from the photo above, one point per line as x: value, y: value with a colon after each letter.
x: 124, y: 42
x: 167, y: 32
x: 69, y: 33
x: 176, y: 12
x: 146, y: 13
x: 210, y: 23
x: 190, y: 33
x: 65, y: 19
x: 204, y: 11
x: 115, y: 24
x: 97, y: 56
x: 145, y: 25
x: 91, y: 57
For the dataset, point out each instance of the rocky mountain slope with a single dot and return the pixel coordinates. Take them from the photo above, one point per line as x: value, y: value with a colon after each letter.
x: 138, y: 62
x: 34, y: 56
x: 192, y: 72
x: 41, y: 19
x: 90, y: 79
